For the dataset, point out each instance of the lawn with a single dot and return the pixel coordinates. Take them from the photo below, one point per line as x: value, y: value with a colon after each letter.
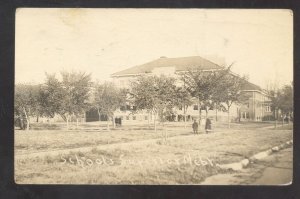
x: 285, y: 127
x: 94, y: 134
x: 125, y: 156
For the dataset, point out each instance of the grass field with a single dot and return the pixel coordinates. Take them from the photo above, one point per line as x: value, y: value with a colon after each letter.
x: 134, y: 155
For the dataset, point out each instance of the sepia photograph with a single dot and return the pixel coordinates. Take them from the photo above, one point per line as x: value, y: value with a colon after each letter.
x: 130, y: 96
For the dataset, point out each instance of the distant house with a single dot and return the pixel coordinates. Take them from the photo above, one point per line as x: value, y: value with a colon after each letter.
x: 258, y: 105
x: 255, y: 108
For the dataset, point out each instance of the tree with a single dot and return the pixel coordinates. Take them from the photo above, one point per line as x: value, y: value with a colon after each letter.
x: 281, y: 99
x: 68, y: 97
x: 198, y: 86
x: 217, y: 92
x: 143, y: 95
x: 202, y: 85
x: 76, y: 88
x: 217, y: 101
x: 52, y: 97
x: 214, y: 88
x: 275, y: 97
x: 184, y: 100
x: 107, y: 99
x: 230, y: 91
x: 27, y: 103
x: 286, y: 102
x: 154, y: 94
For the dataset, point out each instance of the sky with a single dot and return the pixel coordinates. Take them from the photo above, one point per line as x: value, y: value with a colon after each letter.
x: 104, y: 41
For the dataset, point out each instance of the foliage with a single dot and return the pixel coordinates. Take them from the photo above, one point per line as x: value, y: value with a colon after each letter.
x: 108, y: 98
x: 155, y: 94
x: 286, y: 99
x: 27, y: 102
x: 76, y: 88
x: 25, y: 99
x: 230, y: 90
x: 52, y: 97
x: 215, y: 88
x: 67, y: 97
x: 282, y: 99
x: 183, y: 97
x: 275, y: 96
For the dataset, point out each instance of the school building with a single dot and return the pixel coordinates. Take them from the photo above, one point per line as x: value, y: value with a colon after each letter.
x: 255, y: 108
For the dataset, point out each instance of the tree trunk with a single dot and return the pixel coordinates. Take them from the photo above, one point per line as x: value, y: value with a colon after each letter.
x: 99, y: 115
x: 108, y: 124
x: 275, y: 116
x: 113, y: 120
x: 62, y: 116
x: 148, y: 120
x: 37, y: 118
x: 67, y: 122
x: 155, y: 123
x: 228, y: 117
x: 216, y: 114
x: 166, y: 134
x: 240, y: 114
x: 199, y: 108
x: 184, y: 112
x: 76, y: 123
x: 27, y: 119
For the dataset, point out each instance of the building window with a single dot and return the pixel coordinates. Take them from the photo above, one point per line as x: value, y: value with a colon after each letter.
x: 146, y: 117
x: 127, y: 117
x: 195, y: 107
x: 133, y: 117
x: 245, y: 115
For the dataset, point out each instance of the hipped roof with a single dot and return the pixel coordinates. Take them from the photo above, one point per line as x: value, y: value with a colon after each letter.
x: 180, y: 64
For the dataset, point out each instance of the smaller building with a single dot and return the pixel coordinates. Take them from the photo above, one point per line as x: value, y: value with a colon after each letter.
x: 257, y: 105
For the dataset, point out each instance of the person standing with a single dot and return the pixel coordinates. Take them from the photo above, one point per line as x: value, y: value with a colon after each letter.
x: 207, y: 125
x: 195, y: 127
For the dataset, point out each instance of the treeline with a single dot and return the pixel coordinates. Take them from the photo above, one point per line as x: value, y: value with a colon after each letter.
x: 68, y: 97
x: 282, y: 100
x: 75, y: 93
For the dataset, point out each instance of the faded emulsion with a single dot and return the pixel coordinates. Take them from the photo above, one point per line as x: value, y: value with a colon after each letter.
x: 153, y: 96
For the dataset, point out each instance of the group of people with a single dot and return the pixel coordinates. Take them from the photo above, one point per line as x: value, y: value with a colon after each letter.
x: 287, y: 118
x: 20, y: 122
x: 207, y: 126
